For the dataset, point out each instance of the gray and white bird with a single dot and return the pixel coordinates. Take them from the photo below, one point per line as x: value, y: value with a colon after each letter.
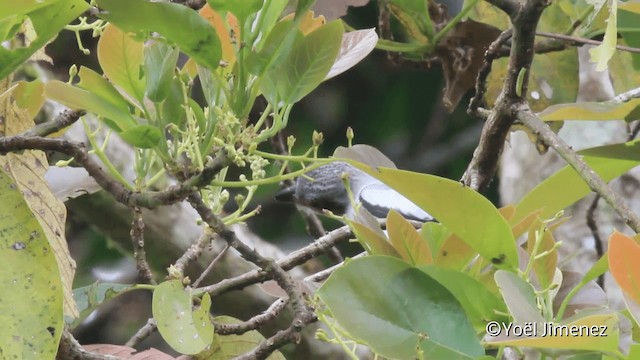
x: 324, y: 189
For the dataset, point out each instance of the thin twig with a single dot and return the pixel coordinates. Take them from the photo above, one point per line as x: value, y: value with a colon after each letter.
x: 211, y: 265
x: 255, y: 322
x: 137, y: 239
x: 149, y: 328
x: 324, y: 274
x: 147, y: 199
x: 576, y: 40
x: 194, y: 251
x: 594, y: 181
x: 70, y: 349
x: 63, y: 120
x: 593, y: 226
x: 483, y: 73
x: 292, y: 260
x: 302, y: 314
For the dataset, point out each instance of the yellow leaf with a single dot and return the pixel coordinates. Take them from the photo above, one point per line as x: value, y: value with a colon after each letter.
x: 407, y: 241
x: 215, y: 19
x: 454, y: 253
x: 27, y: 170
x: 121, y: 58
x: 624, y: 253
x: 309, y: 21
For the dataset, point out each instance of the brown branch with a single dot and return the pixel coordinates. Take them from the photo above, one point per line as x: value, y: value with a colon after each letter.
x: 211, y: 265
x: 302, y: 315
x: 148, y: 199
x: 592, y: 179
x: 63, y: 120
x: 149, y: 328
x: 254, y: 323
x: 576, y: 40
x: 593, y: 226
x: 193, y: 252
x: 483, y: 165
x: 137, y: 240
x: 70, y: 349
x: 481, y: 81
x: 294, y: 259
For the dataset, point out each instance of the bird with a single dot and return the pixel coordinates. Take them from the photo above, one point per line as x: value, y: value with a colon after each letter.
x: 323, y: 188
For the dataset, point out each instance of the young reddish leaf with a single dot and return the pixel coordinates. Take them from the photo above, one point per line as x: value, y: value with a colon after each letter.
x: 179, y: 24
x: 407, y: 241
x: 624, y: 253
x: 218, y: 23
x: 308, y: 22
x: 454, y: 253
x: 507, y: 211
x: 368, y: 232
x: 121, y: 58
x: 523, y: 225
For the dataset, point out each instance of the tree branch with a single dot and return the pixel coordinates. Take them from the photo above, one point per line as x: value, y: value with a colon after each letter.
x: 294, y: 259
x: 524, y: 18
x: 594, y: 181
x: 137, y: 239
x: 302, y: 315
x: 147, y: 199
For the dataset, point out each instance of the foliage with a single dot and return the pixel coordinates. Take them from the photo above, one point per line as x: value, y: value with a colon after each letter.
x: 431, y: 293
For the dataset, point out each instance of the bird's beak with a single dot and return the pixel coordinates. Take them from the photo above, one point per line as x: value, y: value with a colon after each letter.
x: 286, y: 194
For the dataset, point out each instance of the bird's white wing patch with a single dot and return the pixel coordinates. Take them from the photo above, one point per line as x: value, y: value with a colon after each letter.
x: 379, y: 199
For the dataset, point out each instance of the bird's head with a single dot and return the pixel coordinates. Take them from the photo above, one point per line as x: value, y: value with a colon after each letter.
x: 321, y: 188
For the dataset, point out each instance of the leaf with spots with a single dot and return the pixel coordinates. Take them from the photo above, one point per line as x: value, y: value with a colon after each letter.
x: 185, y: 330
x: 27, y: 169
x: 31, y: 301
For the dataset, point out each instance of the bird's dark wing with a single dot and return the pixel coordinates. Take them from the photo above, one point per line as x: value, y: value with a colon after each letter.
x: 378, y: 199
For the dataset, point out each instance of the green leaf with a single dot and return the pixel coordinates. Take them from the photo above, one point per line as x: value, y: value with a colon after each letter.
x: 185, y: 330
x: 142, y: 136
x: 121, y: 59
x: 414, y: 17
x: 608, y: 161
x: 32, y: 293
x: 77, y: 98
x: 93, y: 296
x: 231, y: 346
x: 480, y: 304
x: 435, y: 234
x: 602, y: 53
x: 194, y: 36
x: 245, y: 11
x: 306, y: 66
x: 400, y: 310
x: 367, y: 230
x: 407, y: 241
x: 47, y: 18
x: 461, y: 210
x: 606, y: 110
x: 520, y: 298
x: 160, y: 62
x: 98, y: 85
x: 275, y: 48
